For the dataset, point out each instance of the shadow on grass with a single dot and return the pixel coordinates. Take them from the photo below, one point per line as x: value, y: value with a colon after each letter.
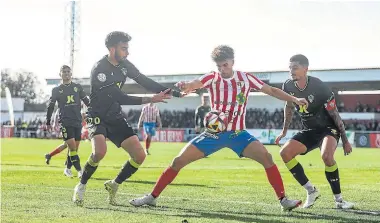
x: 153, y: 183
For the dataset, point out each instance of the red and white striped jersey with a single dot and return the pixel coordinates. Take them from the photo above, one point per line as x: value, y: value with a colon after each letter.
x: 150, y: 113
x: 231, y: 95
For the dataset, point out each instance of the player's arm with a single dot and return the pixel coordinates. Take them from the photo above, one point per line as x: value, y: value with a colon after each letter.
x: 203, y: 82
x: 159, y: 120
x: 141, y: 118
x: 146, y: 82
x: 288, y: 116
x: 331, y: 108
x: 51, y: 104
x: 83, y: 96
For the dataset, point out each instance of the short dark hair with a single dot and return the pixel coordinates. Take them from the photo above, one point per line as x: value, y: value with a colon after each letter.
x: 65, y: 67
x: 301, y: 59
x: 222, y: 53
x: 116, y: 37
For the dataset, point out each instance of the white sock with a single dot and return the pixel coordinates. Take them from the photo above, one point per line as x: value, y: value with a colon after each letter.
x: 309, y: 187
x: 338, y: 197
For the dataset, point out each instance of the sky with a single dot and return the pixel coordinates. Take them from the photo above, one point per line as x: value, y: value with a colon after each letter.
x: 177, y: 37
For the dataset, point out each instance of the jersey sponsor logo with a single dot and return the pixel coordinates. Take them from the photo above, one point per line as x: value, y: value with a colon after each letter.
x: 102, y: 77
x: 240, y: 98
x: 303, y: 109
x: 70, y: 99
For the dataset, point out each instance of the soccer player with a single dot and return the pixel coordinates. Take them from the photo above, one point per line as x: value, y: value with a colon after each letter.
x: 149, y: 118
x: 105, y: 118
x: 59, y: 148
x: 200, y: 113
x: 322, y: 127
x: 229, y: 91
x: 68, y: 95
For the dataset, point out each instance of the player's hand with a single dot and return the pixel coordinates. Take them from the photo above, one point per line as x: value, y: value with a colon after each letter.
x: 161, y: 96
x: 279, y: 137
x: 347, y: 148
x: 301, y: 101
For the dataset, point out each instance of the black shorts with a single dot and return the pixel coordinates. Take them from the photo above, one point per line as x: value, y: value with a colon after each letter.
x: 313, y: 138
x: 70, y: 132
x: 116, y: 131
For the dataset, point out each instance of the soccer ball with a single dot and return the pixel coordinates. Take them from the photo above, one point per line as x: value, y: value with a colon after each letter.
x: 215, y: 121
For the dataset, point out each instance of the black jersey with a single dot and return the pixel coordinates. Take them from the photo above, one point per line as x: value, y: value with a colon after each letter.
x: 200, y: 114
x: 318, y: 95
x: 68, y: 97
x: 106, y: 83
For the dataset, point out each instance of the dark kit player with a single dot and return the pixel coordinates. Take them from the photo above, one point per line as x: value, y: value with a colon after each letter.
x: 322, y: 127
x: 105, y: 118
x: 200, y: 114
x: 68, y: 95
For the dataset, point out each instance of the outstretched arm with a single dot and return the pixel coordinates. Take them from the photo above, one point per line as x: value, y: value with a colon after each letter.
x: 278, y: 93
x: 288, y: 116
x: 146, y: 82
x: 50, y: 107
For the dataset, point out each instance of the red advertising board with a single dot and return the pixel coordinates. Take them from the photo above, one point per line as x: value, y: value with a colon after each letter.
x: 6, y: 132
x: 167, y: 135
x: 374, y: 139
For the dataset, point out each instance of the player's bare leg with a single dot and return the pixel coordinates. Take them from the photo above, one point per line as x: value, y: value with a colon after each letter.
x: 133, y: 147
x: 256, y: 151
x: 289, y: 151
x: 57, y: 150
x: 188, y: 154
x: 99, y: 150
x: 328, y: 149
x: 147, y: 143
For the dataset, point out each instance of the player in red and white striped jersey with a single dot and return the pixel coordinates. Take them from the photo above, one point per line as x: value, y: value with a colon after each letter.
x: 229, y: 91
x: 149, y: 118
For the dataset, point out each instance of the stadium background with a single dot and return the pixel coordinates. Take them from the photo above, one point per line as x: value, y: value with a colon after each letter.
x: 356, y: 89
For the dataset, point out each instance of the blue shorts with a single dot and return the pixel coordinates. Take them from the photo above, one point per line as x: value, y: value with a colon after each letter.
x: 211, y: 143
x: 150, y: 128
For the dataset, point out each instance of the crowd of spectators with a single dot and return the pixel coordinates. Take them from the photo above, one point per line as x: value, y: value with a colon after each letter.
x: 255, y: 118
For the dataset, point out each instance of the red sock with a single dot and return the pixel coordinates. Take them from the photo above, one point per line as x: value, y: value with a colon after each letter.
x: 166, y: 178
x: 55, y: 152
x: 275, y: 180
x: 147, y: 143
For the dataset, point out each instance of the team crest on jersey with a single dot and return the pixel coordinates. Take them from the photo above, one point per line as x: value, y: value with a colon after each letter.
x: 102, y: 77
x: 75, y: 89
x: 310, y: 98
x: 240, y: 98
x: 125, y: 71
x: 240, y: 84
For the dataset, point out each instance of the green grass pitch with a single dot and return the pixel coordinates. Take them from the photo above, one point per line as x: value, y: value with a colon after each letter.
x: 221, y: 188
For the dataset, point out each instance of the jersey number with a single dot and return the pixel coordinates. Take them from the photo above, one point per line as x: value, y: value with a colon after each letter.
x: 70, y: 99
x: 95, y: 120
x: 303, y: 109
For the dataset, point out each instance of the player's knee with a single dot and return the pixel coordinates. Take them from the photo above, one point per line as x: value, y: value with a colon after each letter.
x: 178, y: 163
x: 328, y: 159
x: 98, y: 156
x: 268, y: 160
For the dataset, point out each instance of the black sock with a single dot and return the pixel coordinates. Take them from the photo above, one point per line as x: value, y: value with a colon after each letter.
x: 129, y: 168
x: 332, y: 176
x: 297, y: 170
x: 89, y: 169
x: 69, y: 164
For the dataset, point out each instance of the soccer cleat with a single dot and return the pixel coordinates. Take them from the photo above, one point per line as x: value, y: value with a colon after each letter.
x: 147, y: 199
x: 311, y: 198
x: 147, y: 152
x: 80, y: 173
x: 68, y: 173
x: 111, y: 186
x: 78, y: 197
x: 344, y: 204
x: 288, y: 205
x: 48, y: 158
